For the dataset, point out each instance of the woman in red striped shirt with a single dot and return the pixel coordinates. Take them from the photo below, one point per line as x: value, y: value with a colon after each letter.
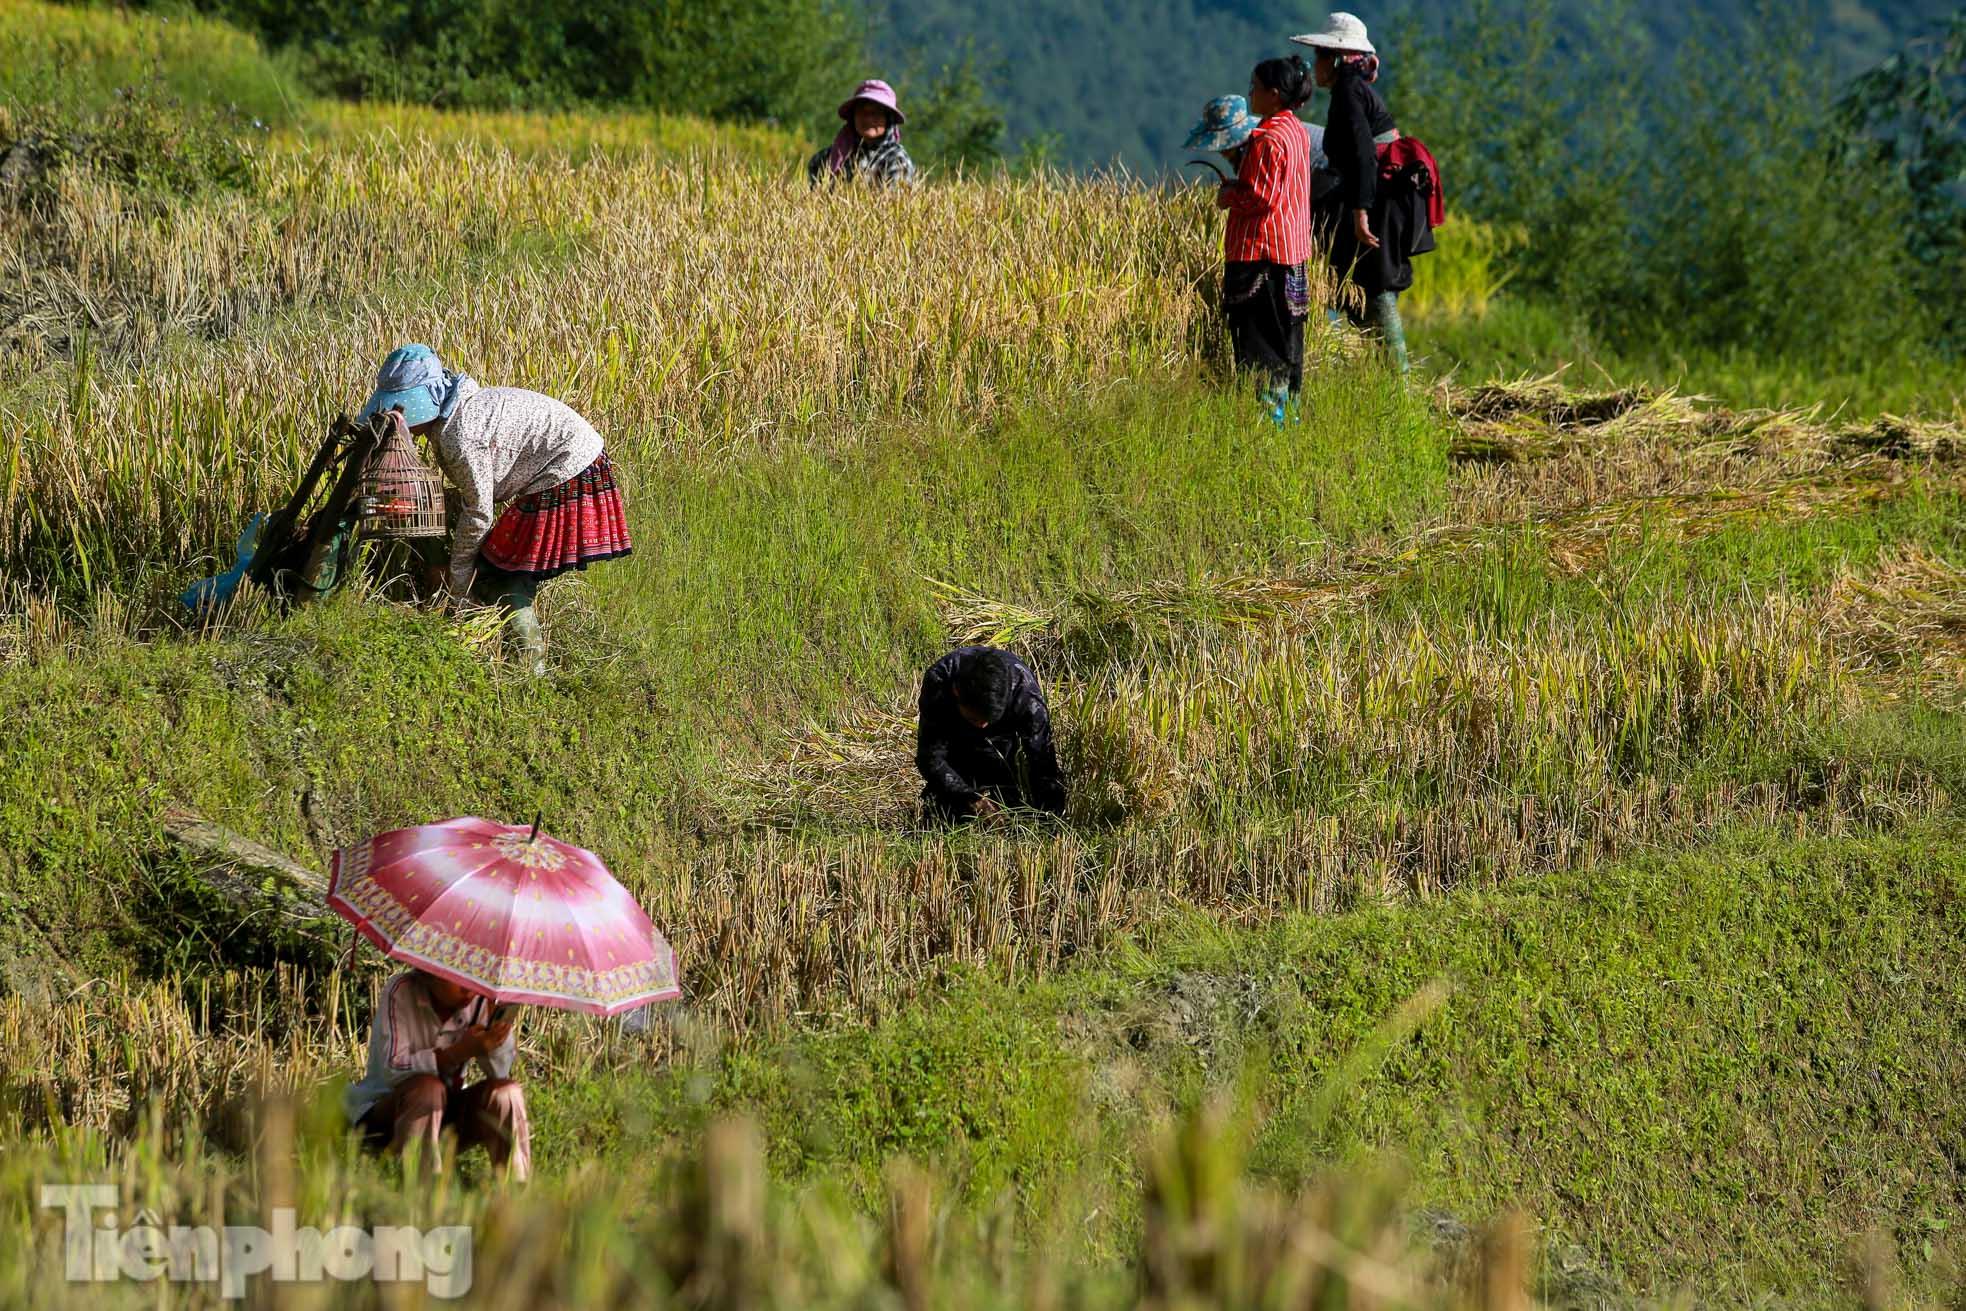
x: 1265, y: 296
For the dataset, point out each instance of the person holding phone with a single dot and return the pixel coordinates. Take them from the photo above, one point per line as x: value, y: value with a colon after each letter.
x: 426, y: 1034
x: 1265, y: 292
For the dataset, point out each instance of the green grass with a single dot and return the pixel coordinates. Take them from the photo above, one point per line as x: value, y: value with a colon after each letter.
x: 83, y: 56
x: 1541, y: 1081
x: 835, y: 555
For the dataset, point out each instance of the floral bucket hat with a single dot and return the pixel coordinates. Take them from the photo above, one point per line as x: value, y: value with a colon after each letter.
x: 1225, y: 124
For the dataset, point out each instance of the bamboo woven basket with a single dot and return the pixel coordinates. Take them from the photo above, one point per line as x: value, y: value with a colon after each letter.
x: 402, y: 497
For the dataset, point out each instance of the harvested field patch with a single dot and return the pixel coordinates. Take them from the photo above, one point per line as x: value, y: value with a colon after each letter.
x: 1904, y: 625
x: 1535, y: 447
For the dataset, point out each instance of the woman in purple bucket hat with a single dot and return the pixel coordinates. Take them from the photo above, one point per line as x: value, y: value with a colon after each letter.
x: 869, y: 142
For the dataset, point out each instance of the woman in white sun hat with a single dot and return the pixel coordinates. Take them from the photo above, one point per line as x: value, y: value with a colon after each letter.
x: 1387, y: 202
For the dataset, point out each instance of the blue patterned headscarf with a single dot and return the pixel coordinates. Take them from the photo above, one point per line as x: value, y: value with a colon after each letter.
x: 414, y: 380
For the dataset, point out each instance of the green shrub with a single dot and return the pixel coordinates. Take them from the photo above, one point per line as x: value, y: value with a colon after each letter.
x: 164, y: 105
x: 1735, y: 220
x: 147, y: 140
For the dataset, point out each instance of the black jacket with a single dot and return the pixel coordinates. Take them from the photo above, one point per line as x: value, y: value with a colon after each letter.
x: 1013, y: 760
x: 1398, y: 211
x: 1358, y: 115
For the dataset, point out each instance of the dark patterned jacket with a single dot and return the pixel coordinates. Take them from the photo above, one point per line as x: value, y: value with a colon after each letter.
x: 884, y: 163
x: 1013, y: 760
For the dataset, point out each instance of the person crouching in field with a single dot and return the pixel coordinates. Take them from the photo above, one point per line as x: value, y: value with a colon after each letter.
x: 868, y: 147
x: 426, y: 1032
x: 1265, y: 295
x: 984, y: 744
x: 1388, y: 199
x: 530, y: 453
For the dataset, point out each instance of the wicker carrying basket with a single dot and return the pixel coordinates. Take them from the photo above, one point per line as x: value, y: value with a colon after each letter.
x: 401, y: 496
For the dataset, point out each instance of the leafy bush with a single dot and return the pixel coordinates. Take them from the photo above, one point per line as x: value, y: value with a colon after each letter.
x: 757, y: 59
x: 953, y: 123
x: 161, y: 105
x: 1909, y: 114
x: 1737, y: 219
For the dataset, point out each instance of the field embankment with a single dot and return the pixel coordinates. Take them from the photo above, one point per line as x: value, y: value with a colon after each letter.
x: 1517, y: 681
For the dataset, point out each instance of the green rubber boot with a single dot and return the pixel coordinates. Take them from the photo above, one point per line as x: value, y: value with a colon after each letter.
x: 528, y: 639
x: 514, y: 594
x: 1383, y: 314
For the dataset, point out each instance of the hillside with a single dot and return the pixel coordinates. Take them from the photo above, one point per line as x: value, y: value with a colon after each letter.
x: 1124, y: 81
x: 1630, y: 724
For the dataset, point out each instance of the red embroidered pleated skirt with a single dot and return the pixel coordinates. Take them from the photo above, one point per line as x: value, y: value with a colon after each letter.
x: 566, y: 527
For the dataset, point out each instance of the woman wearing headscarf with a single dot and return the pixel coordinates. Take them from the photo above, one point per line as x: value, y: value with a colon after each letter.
x: 1387, y: 201
x: 531, y: 454
x: 1265, y: 295
x: 868, y: 146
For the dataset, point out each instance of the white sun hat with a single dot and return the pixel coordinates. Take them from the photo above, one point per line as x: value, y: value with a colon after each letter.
x: 1340, y: 32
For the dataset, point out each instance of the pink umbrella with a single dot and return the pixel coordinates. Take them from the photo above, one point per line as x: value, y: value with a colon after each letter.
x: 515, y: 915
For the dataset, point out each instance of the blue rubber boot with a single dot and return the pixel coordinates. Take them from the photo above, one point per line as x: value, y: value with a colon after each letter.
x: 1276, y: 400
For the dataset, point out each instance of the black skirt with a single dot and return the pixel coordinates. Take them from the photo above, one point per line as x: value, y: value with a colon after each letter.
x: 1265, y: 305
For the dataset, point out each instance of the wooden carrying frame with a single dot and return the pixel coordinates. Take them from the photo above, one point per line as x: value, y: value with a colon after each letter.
x: 308, y: 542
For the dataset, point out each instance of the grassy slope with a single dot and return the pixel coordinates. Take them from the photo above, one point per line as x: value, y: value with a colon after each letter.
x: 379, y: 722
x: 82, y: 56
x: 1515, y: 337
x: 1656, y: 1059
x: 1714, y: 1067
x: 330, y: 124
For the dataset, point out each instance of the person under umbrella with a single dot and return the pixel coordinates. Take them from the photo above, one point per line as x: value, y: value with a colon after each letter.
x: 983, y: 741
x: 426, y: 1033
x: 531, y: 454
x: 1388, y: 199
x: 488, y: 917
x: 868, y: 147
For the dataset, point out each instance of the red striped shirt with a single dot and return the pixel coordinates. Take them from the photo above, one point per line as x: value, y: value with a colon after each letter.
x: 1269, y: 203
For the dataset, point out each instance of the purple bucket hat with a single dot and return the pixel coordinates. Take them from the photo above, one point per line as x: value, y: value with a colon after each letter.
x: 874, y: 92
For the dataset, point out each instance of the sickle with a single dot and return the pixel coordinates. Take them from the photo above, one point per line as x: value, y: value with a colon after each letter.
x: 1206, y: 163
